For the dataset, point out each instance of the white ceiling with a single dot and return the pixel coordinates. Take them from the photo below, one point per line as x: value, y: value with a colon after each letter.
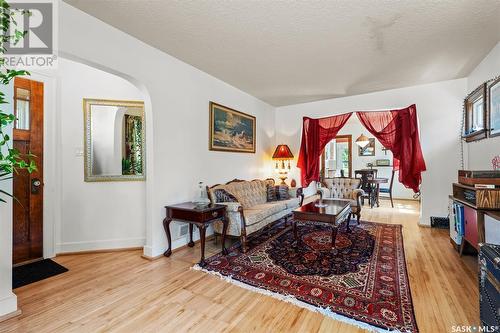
x: 288, y: 52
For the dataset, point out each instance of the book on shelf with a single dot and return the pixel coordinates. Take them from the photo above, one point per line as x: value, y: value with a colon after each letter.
x: 484, y: 185
x: 479, y: 173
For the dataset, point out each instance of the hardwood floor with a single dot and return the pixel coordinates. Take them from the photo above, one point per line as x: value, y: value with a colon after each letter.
x: 121, y: 292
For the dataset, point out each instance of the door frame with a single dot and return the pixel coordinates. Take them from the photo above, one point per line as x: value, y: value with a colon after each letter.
x: 52, y: 165
x: 349, y: 142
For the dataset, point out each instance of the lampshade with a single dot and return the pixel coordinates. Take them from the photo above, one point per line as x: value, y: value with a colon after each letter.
x: 282, y: 152
x: 362, y: 141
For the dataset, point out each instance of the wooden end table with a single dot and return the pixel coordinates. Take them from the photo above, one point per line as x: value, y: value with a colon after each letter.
x: 336, y: 212
x: 202, y: 217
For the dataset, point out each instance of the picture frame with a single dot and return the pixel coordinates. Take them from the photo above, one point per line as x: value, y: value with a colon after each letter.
x: 368, y: 150
x: 475, y: 107
x: 494, y: 107
x: 231, y: 130
x: 121, y: 156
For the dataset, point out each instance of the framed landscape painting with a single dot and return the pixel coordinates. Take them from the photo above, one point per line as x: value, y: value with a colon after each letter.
x: 231, y: 130
x: 494, y: 107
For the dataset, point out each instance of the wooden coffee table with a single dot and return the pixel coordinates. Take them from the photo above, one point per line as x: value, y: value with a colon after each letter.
x: 336, y: 213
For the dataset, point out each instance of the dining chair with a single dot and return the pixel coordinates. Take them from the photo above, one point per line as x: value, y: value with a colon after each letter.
x: 389, y: 190
x: 366, y: 174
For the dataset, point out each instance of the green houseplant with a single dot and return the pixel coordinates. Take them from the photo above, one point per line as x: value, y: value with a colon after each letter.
x: 11, y: 160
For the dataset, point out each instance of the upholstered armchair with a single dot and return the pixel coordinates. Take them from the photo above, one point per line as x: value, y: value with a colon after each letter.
x: 344, y: 188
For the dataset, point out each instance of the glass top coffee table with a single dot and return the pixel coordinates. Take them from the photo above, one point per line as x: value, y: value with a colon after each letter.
x: 335, y: 212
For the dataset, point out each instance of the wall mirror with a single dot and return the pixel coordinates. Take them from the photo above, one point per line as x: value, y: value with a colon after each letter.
x: 114, y: 140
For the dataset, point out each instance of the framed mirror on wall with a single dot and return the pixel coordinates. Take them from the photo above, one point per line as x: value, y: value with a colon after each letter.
x: 114, y: 140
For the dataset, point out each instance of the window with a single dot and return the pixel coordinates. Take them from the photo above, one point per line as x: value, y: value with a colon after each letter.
x: 475, y: 115
x: 22, y: 109
x: 478, y: 115
x: 336, y: 159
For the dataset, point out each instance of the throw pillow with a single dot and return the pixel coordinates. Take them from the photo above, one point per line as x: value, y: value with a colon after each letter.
x: 272, y: 195
x: 282, y: 192
x: 222, y: 195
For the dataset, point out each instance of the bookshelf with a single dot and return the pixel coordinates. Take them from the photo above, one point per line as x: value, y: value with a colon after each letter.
x: 477, y: 202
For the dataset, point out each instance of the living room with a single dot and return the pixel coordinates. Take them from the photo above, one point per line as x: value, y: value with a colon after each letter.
x: 188, y: 70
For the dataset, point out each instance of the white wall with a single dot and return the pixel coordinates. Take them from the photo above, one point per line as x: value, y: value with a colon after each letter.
x: 439, y: 112
x: 103, y: 214
x: 480, y: 153
x: 176, y: 117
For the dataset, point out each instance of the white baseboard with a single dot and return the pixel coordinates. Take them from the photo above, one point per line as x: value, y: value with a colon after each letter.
x: 147, y: 251
x: 106, y: 244
x: 8, y: 305
x: 153, y: 252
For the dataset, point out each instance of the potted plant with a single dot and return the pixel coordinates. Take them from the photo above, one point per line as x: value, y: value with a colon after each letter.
x: 11, y: 160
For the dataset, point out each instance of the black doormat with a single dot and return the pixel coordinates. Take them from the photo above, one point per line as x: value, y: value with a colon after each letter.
x: 36, y: 271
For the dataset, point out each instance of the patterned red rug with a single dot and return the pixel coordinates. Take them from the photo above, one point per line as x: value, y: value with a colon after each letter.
x: 362, y: 281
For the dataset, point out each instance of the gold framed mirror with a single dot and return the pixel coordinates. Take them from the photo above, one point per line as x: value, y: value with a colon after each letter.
x: 114, y: 136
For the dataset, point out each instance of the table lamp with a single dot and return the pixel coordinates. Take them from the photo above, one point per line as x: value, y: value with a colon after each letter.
x: 282, y: 154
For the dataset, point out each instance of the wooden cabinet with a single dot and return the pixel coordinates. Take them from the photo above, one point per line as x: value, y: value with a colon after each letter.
x: 479, y: 198
x: 471, y: 229
x: 477, y: 202
x: 480, y: 207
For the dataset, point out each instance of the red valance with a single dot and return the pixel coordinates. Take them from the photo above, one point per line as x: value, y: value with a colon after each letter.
x: 316, y: 133
x: 397, y: 130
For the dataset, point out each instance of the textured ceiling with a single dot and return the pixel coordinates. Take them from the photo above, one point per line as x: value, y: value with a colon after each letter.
x: 287, y: 52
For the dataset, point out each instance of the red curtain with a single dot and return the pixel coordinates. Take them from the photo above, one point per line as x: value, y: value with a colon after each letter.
x: 316, y: 133
x: 397, y: 130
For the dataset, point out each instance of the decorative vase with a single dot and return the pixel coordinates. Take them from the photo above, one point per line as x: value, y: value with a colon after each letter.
x: 202, y: 198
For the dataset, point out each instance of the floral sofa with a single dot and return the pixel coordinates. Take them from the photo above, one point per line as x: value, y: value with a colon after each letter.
x: 247, y: 207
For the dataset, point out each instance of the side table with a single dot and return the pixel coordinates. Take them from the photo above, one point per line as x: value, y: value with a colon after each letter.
x: 202, y: 217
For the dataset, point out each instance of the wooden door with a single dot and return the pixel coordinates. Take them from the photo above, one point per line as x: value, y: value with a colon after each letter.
x: 28, y: 188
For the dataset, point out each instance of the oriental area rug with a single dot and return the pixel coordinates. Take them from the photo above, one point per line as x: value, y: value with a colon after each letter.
x: 362, y: 281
